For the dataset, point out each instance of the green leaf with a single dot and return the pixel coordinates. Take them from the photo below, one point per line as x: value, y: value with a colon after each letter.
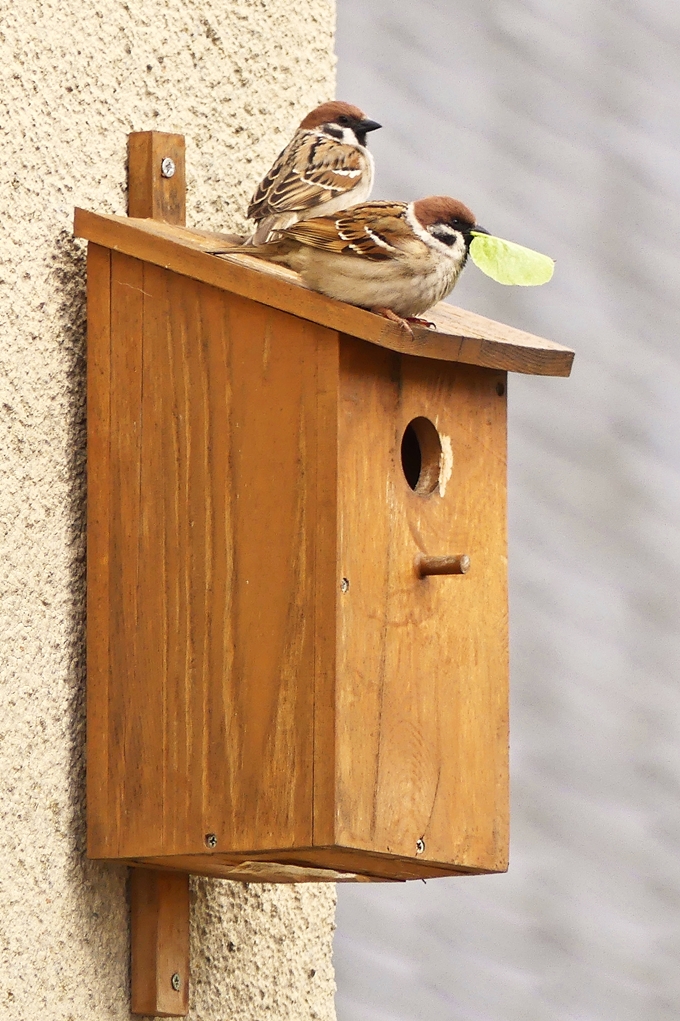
x: 509, y: 263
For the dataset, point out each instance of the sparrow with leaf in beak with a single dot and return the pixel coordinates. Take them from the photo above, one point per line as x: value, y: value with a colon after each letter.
x: 393, y: 258
x: 326, y: 167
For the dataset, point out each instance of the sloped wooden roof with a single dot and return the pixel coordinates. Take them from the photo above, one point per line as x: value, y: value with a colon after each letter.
x: 460, y: 336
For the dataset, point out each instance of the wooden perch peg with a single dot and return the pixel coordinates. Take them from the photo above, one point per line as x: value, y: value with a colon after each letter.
x: 441, y: 565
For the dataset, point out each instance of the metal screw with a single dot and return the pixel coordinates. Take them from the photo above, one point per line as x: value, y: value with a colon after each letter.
x: 211, y: 839
x: 420, y: 845
x: 176, y: 982
x: 167, y: 167
x: 344, y: 585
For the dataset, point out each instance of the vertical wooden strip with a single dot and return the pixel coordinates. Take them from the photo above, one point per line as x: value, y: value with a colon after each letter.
x: 150, y: 194
x: 368, y: 398
x: 179, y: 750
x: 98, y: 523
x: 159, y: 943
x: 217, y: 784
x: 147, y: 698
x: 171, y: 371
x: 127, y: 728
x: 196, y: 343
x: 328, y: 586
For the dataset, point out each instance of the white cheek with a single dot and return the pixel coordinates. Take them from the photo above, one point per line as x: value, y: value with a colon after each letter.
x: 456, y: 251
x: 349, y: 137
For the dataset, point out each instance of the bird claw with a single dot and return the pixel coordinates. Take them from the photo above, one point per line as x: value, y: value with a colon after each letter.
x: 404, y: 323
x: 387, y: 313
x: 421, y: 322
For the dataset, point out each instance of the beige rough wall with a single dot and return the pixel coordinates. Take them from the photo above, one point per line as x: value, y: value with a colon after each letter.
x: 234, y: 76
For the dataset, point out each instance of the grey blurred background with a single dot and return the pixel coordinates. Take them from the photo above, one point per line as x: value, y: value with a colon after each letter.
x: 558, y: 124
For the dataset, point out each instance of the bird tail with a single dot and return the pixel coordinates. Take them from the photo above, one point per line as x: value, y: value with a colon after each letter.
x: 274, y: 251
x: 271, y: 228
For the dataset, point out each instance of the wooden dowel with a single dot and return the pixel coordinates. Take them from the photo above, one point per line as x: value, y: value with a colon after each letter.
x: 426, y: 565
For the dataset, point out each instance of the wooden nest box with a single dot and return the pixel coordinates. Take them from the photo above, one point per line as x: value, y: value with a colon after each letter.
x: 297, y: 616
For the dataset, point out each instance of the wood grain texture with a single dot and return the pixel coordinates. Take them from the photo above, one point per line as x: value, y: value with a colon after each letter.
x: 364, y: 863
x: 98, y: 524
x: 149, y: 193
x: 159, y: 942
x: 271, y: 680
x: 460, y: 336
x: 129, y: 760
x: 221, y: 482
x: 269, y: 688
x: 421, y: 701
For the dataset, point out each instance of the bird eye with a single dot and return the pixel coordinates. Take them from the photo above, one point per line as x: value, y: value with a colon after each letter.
x: 344, y: 121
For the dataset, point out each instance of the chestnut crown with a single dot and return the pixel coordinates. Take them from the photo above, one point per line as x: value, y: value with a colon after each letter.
x: 335, y: 117
x: 442, y: 209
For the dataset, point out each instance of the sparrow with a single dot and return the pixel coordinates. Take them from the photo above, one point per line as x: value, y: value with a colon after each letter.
x: 396, y: 259
x: 323, y: 169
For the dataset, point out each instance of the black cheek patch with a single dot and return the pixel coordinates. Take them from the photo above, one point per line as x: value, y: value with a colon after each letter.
x: 445, y: 234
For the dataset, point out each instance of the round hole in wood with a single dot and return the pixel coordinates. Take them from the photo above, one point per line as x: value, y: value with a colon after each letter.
x: 420, y: 455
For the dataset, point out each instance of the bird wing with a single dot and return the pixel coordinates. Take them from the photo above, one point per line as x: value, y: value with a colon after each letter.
x: 372, y: 230
x: 312, y: 169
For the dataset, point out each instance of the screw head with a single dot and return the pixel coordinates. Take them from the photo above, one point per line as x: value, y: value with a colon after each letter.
x: 176, y: 982
x: 211, y: 839
x: 167, y: 167
x: 344, y: 585
x: 420, y: 845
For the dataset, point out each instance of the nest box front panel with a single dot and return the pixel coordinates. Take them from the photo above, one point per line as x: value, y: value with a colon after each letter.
x: 422, y: 674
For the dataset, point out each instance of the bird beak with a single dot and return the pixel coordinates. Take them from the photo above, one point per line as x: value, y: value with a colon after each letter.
x: 480, y: 230
x: 368, y: 126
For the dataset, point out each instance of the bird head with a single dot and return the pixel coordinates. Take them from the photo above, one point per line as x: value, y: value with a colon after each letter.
x: 448, y: 221
x: 343, y: 121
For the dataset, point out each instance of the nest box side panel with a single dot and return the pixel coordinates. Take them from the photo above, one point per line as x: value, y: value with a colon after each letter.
x: 202, y: 570
x: 422, y: 684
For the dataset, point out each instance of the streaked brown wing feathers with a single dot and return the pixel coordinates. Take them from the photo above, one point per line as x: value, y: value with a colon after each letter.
x: 309, y: 171
x: 373, y: 230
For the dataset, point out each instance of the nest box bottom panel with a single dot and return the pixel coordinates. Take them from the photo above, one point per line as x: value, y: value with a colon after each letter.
x: 297, y: 626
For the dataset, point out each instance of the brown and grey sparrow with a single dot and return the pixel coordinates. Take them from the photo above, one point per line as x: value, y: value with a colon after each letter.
x: 393, y: 258
x: 326, y: 167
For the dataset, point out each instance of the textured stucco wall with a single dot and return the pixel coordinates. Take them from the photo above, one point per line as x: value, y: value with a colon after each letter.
x: 234, y: 76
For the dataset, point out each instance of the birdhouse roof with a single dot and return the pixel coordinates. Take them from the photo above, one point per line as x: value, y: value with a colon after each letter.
x: 459, y: 335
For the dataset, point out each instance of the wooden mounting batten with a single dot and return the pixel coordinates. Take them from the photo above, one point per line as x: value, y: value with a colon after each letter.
x: 152, y: 194
x: 460, y: 336
x: 159, y: 943
x: 159, y: 902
